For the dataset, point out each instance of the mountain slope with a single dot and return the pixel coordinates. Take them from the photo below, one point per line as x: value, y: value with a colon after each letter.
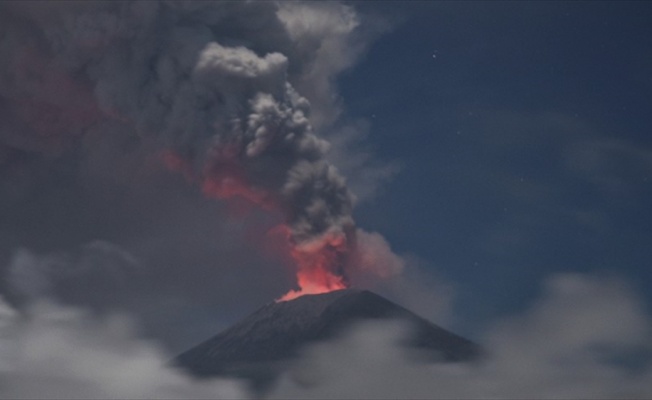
x: 259, y: 346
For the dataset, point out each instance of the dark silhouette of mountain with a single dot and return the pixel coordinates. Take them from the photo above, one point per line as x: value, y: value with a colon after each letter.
x: 261, y: 345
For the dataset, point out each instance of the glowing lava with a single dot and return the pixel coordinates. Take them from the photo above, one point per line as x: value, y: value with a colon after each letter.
x: 314, y: 282
x: 319, y: 264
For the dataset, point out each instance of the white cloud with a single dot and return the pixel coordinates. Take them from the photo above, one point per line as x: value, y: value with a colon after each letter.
x: 579, y: 341
x: 51, y: 351
x: 586, y: 337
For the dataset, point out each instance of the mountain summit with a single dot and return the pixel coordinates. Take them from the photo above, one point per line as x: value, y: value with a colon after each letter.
x: 260, y: 345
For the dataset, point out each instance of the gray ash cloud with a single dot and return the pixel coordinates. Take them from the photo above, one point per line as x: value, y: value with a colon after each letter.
x: 210, y: 82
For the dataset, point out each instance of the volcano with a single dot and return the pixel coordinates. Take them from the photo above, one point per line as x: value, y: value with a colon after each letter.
x: 265, y: 343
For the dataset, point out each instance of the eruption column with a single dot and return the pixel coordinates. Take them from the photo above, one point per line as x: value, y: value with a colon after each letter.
x: 262, y: 147
x: 178, y: 74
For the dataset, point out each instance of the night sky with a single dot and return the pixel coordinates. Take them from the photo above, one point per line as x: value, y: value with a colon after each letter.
x: 522, y: 132
x: 499, y: 154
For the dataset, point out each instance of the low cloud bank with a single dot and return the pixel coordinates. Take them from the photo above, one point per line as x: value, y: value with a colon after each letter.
x: 587, y: 337
x: 52, y: 351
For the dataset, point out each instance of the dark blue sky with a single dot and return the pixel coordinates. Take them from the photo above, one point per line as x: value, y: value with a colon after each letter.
x: 523, y: 133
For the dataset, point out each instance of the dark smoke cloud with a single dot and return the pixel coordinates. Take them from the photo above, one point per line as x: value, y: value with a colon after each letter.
x: 96, y: 98
x: 207, y: 87
x: 173, y: 72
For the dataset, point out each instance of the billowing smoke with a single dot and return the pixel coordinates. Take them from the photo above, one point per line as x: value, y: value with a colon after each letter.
x: 200, y: 86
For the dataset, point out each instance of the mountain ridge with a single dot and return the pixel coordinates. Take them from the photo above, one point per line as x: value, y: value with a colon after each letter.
x: 269, y: 338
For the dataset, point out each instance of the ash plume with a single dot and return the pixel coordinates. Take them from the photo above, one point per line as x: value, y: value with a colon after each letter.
x: 207, y: 86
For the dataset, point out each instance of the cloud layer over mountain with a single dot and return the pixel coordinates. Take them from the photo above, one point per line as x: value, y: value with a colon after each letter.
x: 586, y: 337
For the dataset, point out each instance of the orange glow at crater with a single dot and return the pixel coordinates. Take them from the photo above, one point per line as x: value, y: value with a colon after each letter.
x: 315, y: 281
x: 318, y: 265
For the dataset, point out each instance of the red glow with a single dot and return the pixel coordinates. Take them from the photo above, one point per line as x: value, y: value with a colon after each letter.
x: 225, y: 186
x: 176, y: 163
x: 222, y: 180
x: 318, y: 260
x: 318, y: 265
x: 314, y: 281
x: 225, y: 178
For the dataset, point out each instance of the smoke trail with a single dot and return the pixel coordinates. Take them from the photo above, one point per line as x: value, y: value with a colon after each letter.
x: 208, y: 83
